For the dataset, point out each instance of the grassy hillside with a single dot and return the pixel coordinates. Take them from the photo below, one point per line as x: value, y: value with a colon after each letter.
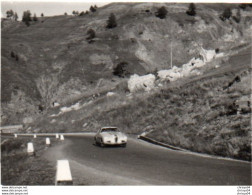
x: 56, y: 63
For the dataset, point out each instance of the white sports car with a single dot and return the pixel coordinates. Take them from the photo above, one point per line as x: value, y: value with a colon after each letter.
x: 110, y: 136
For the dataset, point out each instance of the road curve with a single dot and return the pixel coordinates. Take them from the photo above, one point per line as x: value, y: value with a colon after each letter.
x: 141, y: 163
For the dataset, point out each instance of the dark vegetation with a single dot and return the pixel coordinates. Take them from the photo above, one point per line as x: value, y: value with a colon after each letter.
x: 191, y: 10
x: 121, y: 70
x: 91, y: 34
x: 27, y: 17
x: 226, y: 14
x: 18, y: 168
x: 111, y: 22
x: 161, y: 12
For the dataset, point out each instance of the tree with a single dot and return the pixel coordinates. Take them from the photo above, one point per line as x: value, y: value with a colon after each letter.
x: 162, y: 12
x: 111, y: 22
x: 82, y: 13
x: 35, y: 18
x: 9, y: 13
x: 42, y: 15
x: 226, y: 14
x: 65, y: 14
x: 15, y: 16
x: 76, y: 13
x: 92, y: 9
x: 95, y: 7
x: 26, y: 17
x: 191, y: 10
x: 91, y: 34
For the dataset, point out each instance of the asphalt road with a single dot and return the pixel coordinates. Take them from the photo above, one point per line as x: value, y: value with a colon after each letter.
x: 142, y: 163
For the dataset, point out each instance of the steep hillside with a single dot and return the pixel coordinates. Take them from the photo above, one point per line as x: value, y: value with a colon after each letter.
x: 53, y: 61
x: 55, y: 79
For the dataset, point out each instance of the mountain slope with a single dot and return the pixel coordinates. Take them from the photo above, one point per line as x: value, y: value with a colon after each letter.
x: 52, y: 61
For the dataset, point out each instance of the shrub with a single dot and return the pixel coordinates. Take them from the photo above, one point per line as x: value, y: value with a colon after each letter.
x: 226, y: 14
x: 162, y: 12
x: 26, y: 17
x: 82, y: 13
x: 111, y: 22
x: 9, y: 13
x: 15, y: 16
x: 120, y: 70
x: 91, y: 34
x: 13, y: 54
x: 92, y: 9
x: 35, y: 18
x: 42, y: 15
x: 243, y: 6
x: 191, y: 10
x: 65, y: 14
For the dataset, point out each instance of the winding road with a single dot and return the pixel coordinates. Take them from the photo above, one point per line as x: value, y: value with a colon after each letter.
x: 142, y: 163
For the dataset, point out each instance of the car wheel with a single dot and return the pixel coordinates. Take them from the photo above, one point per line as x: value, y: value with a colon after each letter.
x: 124, y: 145
x: 101, y: 143
x: 95, y: 142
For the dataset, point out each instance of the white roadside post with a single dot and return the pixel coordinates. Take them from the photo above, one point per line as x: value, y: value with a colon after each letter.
x: 63, y: 173
x: 34, y: 136
x: 30, y: 148
x: 57, y: 136
x: 62, y: 137
x: 48, y: 141
x: 15, y: 135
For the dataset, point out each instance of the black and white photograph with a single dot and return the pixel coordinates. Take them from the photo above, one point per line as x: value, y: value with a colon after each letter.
x: 126, y: 93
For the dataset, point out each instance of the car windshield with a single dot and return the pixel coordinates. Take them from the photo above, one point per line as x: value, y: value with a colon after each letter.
x: 109, y: 130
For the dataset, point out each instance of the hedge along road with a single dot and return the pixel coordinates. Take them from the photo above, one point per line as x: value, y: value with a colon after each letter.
x: 142, y: 163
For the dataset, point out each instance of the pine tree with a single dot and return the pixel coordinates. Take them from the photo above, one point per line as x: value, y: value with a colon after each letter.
x: 162, y: 12
x: 27, y: 17
x: 92, y: 9
x: 9, y: 13
x: 15, y: 16
x: 111, y: 22
x: 35, y: 18
x: 226, y: 14
x: 191, y: 10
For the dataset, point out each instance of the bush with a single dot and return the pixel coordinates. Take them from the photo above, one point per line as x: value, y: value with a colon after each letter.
x: 9, y: 13
x: 92, y: 9
x: 13, y: 54
x: 191, y: 10
x: 120, y: 70
x: 35, y: 18
x: 111, y: 22
x: 82, y: 13
x: 162, y: 12
x: 226, y: 14
x: 243, y: 6
x: 91, y: 34
x: 26, y: 17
